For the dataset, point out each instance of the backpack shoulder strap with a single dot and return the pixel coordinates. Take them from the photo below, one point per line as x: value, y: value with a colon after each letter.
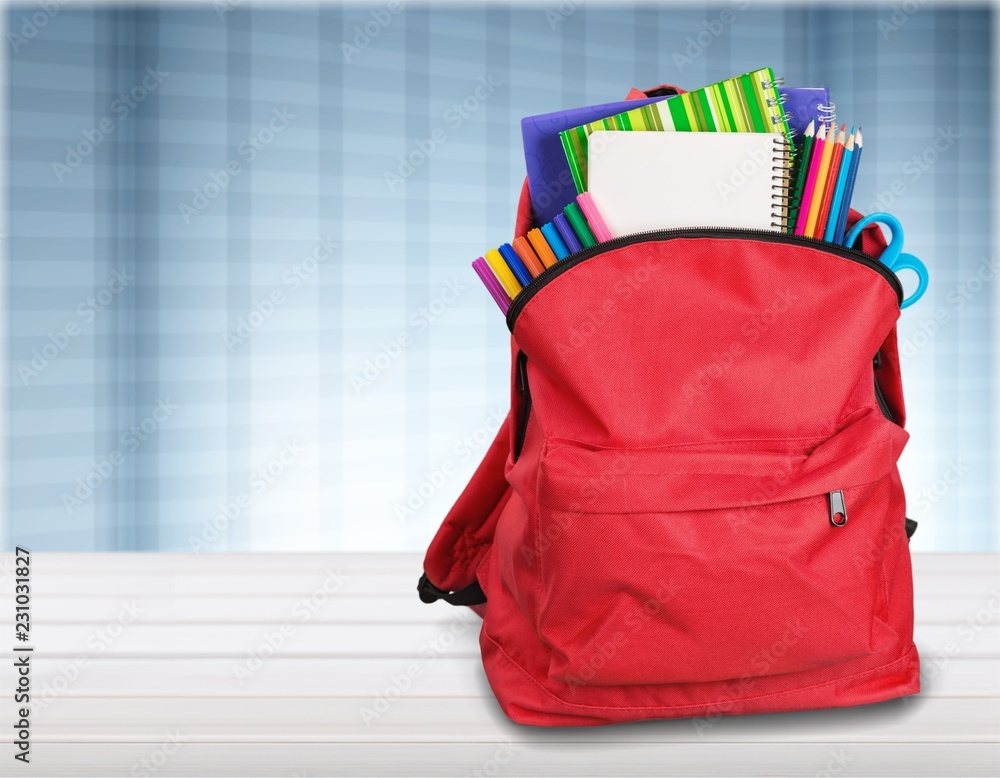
x: 466, y: 534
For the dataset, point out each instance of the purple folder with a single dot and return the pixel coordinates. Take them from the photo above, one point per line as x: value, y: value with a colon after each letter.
x: 549, y: 179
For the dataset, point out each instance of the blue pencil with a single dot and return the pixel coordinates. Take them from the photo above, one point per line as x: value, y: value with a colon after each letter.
x: 515, y: 264
x: 849, y: 192
x: 838, y: 192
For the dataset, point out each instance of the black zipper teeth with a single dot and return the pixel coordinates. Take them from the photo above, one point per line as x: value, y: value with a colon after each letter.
x: 653, y: 235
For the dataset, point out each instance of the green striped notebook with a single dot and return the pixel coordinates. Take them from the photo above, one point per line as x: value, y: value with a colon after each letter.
x: 747, y: 103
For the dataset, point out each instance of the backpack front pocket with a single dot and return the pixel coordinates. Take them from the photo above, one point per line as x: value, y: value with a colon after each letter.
x: 719, y: 561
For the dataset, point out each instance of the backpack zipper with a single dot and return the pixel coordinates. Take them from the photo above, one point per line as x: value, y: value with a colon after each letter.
x: 701, y: 232
x: 524, y: 411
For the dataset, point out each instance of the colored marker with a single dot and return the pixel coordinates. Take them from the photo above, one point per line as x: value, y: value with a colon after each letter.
x: 515, y: 264
x: 852, y: 177
x: 838, y: 196
x: 528, y: 256
x: 594, y: 218
x: 555, y: 241
x: 503, y: 274
x: 820, y: 185
x: 566, y: 231
x: 541, y: 247
x: 496, y: 291
x: 831, y: 184
x: 800, y: 178
x: 807, y: 192
x: 580, y: 226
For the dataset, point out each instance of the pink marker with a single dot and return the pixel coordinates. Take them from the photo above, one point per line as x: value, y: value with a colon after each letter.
x: 486, y: 275
x: 594, y: 218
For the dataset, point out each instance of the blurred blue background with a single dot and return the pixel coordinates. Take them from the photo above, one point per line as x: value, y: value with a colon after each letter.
x: 234, y: 321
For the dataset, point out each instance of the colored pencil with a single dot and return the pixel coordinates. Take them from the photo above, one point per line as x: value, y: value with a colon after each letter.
x: 852, y: 178
x: 838, y: 196
x: 800, y: 178
x: 820, y: 184
x: 831, y: 184
x: 817, y: 153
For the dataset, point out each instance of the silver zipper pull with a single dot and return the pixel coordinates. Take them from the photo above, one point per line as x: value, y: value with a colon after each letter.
x: 838, y: 510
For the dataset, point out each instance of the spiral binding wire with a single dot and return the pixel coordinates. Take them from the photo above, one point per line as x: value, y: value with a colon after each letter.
x: 781, y: 178
x: 827, y: 114
x: 779, y: 81
x: 779, y: 100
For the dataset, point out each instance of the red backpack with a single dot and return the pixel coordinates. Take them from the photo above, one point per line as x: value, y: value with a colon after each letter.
x: 693, y: 508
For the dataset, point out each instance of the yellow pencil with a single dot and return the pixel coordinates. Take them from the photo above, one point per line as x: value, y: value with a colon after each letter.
x: 820, y: 185
x: 502, y: 272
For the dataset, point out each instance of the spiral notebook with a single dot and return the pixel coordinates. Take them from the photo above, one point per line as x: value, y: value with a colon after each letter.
x: 746, y: 103
x: 643, y: 181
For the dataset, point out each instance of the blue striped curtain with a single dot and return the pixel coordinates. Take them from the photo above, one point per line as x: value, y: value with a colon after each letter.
x: 240, y: 314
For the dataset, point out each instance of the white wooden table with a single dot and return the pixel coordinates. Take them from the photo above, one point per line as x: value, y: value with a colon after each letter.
x: 246, y: 665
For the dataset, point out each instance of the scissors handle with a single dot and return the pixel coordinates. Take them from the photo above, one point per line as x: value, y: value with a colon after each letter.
x: 893, y: 257
x: 910, y: 262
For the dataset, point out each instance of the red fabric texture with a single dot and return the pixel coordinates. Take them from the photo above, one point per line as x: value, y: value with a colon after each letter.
x: 662, y: 545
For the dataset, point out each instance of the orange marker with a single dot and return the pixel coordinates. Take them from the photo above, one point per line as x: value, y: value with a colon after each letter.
x: 528, y: 256
x: 541, y: 247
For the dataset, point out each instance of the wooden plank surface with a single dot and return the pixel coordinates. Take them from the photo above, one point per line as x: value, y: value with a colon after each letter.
x: 255, y: 664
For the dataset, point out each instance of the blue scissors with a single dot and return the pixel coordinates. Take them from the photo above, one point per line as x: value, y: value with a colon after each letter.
x: 893, y: 257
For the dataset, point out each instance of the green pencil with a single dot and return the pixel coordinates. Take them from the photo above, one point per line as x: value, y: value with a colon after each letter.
x: 800, y: 179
